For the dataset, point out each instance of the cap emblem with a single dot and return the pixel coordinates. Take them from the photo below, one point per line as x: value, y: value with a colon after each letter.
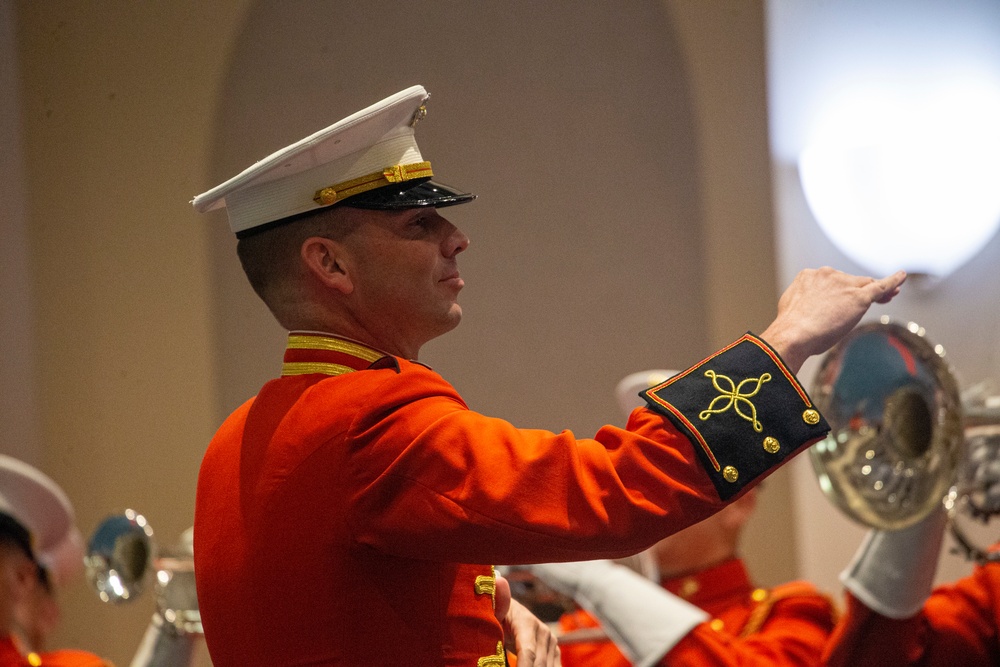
x: 419, y: 114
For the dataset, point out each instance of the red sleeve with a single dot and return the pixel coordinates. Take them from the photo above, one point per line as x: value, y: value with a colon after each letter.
x: 795, y: 631
x: 958, y: 626
x: 441, y: 482
x: 470, y: 488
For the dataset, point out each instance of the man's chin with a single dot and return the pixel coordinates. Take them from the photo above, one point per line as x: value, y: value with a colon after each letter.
x: 448, y: 320
x: 454, y: 316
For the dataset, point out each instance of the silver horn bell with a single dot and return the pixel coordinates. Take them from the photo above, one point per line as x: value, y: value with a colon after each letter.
x: 122, y: 556
x: 896, y: 425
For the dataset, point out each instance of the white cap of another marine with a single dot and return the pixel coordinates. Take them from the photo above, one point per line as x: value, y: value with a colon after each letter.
x: 37, y: 503
x: 368, y: 160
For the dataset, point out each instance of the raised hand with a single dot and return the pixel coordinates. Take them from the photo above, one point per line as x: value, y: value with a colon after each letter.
x: 820, y: 307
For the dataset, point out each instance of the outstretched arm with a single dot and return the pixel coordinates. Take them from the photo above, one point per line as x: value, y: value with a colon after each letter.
x: 894, y: 617
x: 651, y: 626
x: 893, y: 571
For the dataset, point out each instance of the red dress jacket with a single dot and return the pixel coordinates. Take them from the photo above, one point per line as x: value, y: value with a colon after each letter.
x: 10, y: 656
x: 959, y: 625
x: 786, y: 625
x: 350, y: 513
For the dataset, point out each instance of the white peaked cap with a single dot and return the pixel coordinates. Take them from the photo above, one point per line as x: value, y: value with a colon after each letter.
x: 627, y: 391
x: 41, y: 507
x: 372, y: 148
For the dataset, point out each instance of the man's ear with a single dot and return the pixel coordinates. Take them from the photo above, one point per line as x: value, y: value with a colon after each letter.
x: 325, y: 260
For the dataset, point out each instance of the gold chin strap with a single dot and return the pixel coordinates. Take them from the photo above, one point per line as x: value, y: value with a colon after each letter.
x: 394, y: 174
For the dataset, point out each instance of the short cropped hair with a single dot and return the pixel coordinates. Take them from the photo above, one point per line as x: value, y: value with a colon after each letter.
x: 271, y: 260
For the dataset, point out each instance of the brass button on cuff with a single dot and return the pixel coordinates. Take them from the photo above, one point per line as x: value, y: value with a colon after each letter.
x: 810, y: 417
x: 771, y: 445
x: 730, y: 474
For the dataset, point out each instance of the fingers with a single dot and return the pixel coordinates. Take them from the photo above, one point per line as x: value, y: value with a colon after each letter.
x: 501, y: 598
x: 541, y: 651
x: 534, y: 642
x: 887, y: 288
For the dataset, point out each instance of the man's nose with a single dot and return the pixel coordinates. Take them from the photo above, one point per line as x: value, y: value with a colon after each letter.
x: 457, y: 242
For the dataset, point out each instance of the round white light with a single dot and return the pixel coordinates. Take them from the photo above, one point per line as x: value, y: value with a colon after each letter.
x: 908, y: 181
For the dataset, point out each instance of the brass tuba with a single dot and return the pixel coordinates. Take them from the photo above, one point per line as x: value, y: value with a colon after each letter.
x: 896, y: 427
x: 901, y: 435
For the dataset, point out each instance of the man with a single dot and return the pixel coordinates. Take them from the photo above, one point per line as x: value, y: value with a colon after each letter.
x: 705, y: 611
x: 360, y: 497
x: 40, y: 548
x: 893, y: 615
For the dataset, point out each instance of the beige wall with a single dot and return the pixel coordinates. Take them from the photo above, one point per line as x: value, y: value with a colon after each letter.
x: 117, y: 108
x: 619, y: 153
x: 17, y: 362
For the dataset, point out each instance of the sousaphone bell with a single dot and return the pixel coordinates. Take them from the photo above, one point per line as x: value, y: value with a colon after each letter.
x: 896, y: 434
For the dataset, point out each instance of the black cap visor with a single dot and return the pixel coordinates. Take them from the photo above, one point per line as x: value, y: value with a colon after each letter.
x: 396, y: 197
x: 411, y: 194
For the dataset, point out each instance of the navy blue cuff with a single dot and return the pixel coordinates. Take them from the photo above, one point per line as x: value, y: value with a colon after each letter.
x: 743, y: 410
